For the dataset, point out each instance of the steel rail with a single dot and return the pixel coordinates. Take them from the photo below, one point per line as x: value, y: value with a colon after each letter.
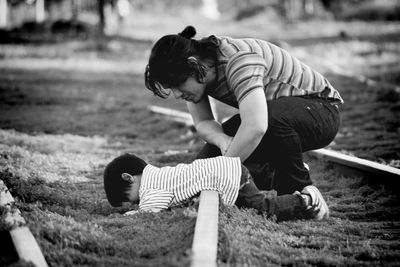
x: 357, y: 166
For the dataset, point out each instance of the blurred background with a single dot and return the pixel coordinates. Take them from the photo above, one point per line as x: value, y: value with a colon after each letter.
x: 358, y: 36
x: 126, y: 16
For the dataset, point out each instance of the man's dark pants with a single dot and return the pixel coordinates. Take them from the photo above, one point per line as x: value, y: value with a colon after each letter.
x: 283, y: 207
x: 295, y: 125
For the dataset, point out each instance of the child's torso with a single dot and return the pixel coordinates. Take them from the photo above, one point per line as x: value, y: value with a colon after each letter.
x: 187, y: 180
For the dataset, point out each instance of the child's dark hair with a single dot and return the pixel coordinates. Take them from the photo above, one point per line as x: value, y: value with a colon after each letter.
x: 115, y: 187
x: 168, y: 63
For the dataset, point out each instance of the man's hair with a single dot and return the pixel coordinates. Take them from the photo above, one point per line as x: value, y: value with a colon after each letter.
x: 168, y: 63
x: 116, y: 188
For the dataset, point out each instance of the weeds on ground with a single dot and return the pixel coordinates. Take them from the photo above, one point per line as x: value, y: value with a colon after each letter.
x: 74, y: 224
x: 362, y: 230
x: 72, y: 220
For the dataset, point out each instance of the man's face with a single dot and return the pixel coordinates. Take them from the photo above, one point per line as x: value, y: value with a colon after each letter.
x: 191, y: 90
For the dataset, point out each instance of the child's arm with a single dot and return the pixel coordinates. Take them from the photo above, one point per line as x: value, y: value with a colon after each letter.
x: 155, y: 200
x: 131, y: 212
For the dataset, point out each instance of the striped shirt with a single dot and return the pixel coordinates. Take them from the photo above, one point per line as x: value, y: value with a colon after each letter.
x: 245, y: 65
x: 164, y: 187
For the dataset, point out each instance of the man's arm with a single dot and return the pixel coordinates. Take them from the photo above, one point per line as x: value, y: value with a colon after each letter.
x: 207, y: 127
x: 254, y: 116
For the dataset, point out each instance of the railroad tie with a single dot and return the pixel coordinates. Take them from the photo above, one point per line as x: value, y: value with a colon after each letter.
x: 24, y: 242
x: 205, y: 240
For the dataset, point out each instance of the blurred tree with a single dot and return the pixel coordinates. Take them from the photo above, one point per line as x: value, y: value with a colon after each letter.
x: 337, y: 7
x: 327, y: 3
x: 290, y: 10
x: 100, y: 12
x: 3, y: 13
x: 101, y: 38
x: 39, y: 11
x: 74, y: 9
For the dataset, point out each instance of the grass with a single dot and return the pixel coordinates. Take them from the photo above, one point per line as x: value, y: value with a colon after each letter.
x: 362, y: 230
x: 72, y: 220
x: 75, y: 225
x: 370, y: 125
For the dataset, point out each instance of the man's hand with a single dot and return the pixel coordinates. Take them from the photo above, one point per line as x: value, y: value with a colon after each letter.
x: 224, y: 146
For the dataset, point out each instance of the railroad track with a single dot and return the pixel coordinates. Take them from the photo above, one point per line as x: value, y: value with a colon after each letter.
x: 205, y: 241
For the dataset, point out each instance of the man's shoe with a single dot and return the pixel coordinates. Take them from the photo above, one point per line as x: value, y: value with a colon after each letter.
x: 317, y: 206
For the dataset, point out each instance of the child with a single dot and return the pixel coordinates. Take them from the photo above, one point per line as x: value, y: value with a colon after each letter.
x: 129, y: 178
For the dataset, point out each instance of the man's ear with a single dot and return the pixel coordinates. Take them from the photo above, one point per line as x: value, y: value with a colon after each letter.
x: 193, y: 62
x: 198, y: 66
x: 127, y: 177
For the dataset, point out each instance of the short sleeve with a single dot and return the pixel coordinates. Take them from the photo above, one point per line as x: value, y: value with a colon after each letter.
x: 229, y: 182
x: 245, y: 72
x: 155, y: 200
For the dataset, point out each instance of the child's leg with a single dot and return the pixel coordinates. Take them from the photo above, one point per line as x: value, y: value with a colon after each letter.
x: 284, y: 207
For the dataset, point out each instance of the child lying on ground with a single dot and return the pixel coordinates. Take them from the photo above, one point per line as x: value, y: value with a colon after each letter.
x: 129, y: 178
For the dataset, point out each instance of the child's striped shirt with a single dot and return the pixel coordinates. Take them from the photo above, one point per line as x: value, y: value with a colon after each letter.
x: 250, y: 64
x: 164, y: 187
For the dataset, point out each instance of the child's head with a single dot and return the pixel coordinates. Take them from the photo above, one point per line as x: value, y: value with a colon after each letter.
x: 175, y: 57
x: 116, y: 183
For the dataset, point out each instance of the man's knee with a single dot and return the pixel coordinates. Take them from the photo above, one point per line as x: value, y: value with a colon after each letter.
x: 231, y: 126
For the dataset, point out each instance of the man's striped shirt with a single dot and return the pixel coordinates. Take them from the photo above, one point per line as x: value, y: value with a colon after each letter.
x: 164, y: 187
x: 245, y: 65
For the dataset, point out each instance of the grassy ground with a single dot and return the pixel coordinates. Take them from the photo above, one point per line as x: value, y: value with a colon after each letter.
x: 57, y: 182
x: 57, y: 177
x: 66, y: 110
x: 363, y: 229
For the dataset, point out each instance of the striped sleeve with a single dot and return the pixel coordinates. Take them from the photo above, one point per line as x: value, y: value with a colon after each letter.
x: 225, y: 178
x: 244, y: 73
x: 230, y: 179
x: 155, y: 200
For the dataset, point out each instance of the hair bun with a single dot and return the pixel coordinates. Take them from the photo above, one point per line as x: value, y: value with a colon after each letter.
x: 189, y: 32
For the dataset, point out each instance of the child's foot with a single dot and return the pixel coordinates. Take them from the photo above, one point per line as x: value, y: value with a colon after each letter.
x: 315, y: 202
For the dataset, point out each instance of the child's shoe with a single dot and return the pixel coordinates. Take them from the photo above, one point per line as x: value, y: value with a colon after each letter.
x: 317, y: 206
